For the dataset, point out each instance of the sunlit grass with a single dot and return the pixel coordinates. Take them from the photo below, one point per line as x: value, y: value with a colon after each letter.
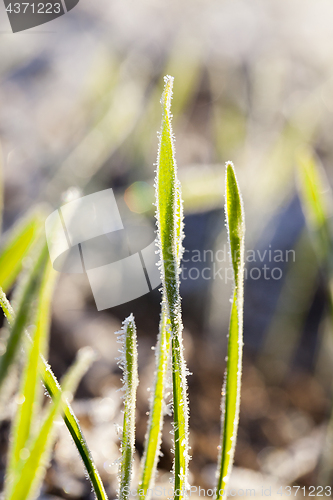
x: 34, y: 286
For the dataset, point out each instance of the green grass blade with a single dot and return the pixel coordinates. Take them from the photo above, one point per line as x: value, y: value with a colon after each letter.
x: 232, y: 383
x: 315, y: 196
x: 128, y: 362
x: 26, y: 294
x: 53, y: 388
x: 30, y: 471
x: 170, y: 234
x: 155, y: 423
x: 312, y: 187
x: 21, y: 429
x: 6, y: 307
x: 1, y: 186
x: 17, y: 246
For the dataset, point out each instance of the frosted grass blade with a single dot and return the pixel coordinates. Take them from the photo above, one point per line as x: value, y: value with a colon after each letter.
x: 170, y: 235
x: 27, y: 410
x: 156, y: 413
x: 6, y: 307
x: 232, y: 383
x: 53, y: 388
x: 155, y: 423
x: 17, y: 246
x: 128, y: 362
x: 31, y: 469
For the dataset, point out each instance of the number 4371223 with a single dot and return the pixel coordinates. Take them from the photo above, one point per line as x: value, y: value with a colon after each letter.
x: 40, y: 8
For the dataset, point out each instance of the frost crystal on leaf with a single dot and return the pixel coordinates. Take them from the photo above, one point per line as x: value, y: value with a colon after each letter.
x: 128, y: 362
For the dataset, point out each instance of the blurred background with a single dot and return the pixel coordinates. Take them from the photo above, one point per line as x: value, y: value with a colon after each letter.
x: 80, y: 111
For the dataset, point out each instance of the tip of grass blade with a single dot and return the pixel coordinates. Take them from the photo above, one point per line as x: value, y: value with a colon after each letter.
x: 234, y: 218
x: 167, y: 94
x: 313, y: 187
x: 232, y: 384
x: 316, y: 198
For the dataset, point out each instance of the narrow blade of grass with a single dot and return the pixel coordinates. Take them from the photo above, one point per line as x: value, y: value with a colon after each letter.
x: 156, y: 413
x: 6, y: 307
x: 315, y: 196
x: 22, y: 426
x: 53, y: 388
x: 232, y: 383
x: 17, y: 246
x: 312, y: 189
x: 155, y: 423
x: 1, y: 187
x: 25, y: 297
x: 170, y: 234
x: 30, y: 470
x: 128, y: 362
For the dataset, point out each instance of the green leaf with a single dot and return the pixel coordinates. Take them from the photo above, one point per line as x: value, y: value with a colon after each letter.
x: 17, y: 246
x: 128, y: 362
x: 155, y: 423
x: 170, y: 234
x: 316, y: 195
x: 53, y: 388
x: 27, y: 410
x: 6, y: 307
x: 312, y: 188
x: 1, y: 186
x: 30, y: 470
x: 232, y: 383
x: 24, y: 300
